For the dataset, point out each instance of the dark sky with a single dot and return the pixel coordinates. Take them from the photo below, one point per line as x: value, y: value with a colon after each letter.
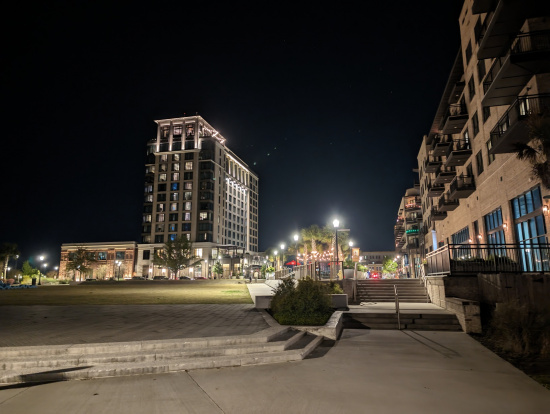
x: 327, y: 104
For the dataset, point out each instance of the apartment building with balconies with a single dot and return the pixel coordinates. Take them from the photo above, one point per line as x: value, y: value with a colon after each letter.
x: 407, y: 231
x: 474, y: 190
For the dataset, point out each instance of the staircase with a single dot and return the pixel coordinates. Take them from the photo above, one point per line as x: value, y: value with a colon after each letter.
x: 445, y: 321
x: 85, y: 361
x: 381, y: 290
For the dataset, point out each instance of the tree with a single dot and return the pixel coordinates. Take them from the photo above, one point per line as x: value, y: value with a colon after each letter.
x: 7, y: 250
x: 176, y: 255
x: 217, y: 269
x: 28, y: 270
x: 81, y: 261
x: 537, y: 151
x: 389, y: 265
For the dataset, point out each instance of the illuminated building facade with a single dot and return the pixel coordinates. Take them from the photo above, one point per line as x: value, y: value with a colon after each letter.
x: 196, y: 187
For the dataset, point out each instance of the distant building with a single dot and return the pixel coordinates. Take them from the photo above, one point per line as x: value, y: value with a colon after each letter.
x: 195, y: 187
x: 374, y: 261
x: 407, y: 233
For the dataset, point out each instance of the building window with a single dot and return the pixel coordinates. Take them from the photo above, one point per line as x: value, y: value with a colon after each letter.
x: 472, y: 88
x: 188, y: 166
x: 187, y: 205
x: 174, y: 196
x: 160, y: 218
x: 188, y: 176
x: 486, y: 113
x: 172, y: 237
x: 102, y: 256
x: 198, y: 253
x: 475, y: 124
x: 468, y: 52
x: 163, y: 167
x: 159, y: 238
x: 175, y: 176
x: 188, y: 185
x: 174, y: 186
x: 173, y: 206
x: 163, y: 158
x: 160, y: 208
x: 159, y: 228
x: 479, y: 162
x: 162, y: 177
x: 490, y: 157
x: 173, y: 227
x: 187, y: 216
x: 530, y: 230
x: 173, y: 217
x: 147, y: 218
x: 175, y: 157
x: 161, y: 187
x: 481, y: 70
x: 494, y: 229
x: 178, y: 130
x: 146, y: 254
x: 176, y: 166
x: 203, y: 216
x: 187, y: 195
x: 186, y: 227
x: 161, y: 197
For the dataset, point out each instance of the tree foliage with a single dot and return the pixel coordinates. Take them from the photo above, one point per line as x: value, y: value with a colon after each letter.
x: 537, y: 150
x: 28, y: 270
x: 176, y: 255
x: 82, y: 261
x: 7, y: 251
x: 389, y: 265
x: 217, y: 269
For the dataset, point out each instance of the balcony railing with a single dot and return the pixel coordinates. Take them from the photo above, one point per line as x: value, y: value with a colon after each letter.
x: 437, y: 215
x: 462, y: 186
x: 531, y: 42
x: 455, y: 118
x: 447, y: 204
x: 459, y: 154
x: 511, y: 128
x: 457, y: 259
x: 440, y: 145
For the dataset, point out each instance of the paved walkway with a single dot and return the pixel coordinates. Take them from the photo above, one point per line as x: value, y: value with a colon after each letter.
x: 367, y: 371
x: 58, y: 325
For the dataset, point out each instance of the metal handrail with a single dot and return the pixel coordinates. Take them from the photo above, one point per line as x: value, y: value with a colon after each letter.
x: 397, y: 307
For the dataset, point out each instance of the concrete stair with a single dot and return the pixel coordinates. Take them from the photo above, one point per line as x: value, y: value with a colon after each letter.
x: 85, y: 361
x: 410, y: 321
x: 382, y: 290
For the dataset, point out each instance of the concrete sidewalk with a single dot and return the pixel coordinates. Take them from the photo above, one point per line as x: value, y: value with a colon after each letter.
x: 366, y: 371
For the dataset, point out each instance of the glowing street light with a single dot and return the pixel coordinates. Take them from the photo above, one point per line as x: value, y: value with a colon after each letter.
x: 118, y: 263
x: 296, y: 237
x: 350, y: 250
x: 336, y: 224
x: 282, y: 254
x: 42, y: 257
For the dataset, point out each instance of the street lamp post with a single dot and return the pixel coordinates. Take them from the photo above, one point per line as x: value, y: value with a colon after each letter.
x: 336, y: 224
x: 118, y: 263
x: 282, y: 254
x: 276, y: 253
x: 296, y: 237
x: 350, y: 250
x: 56, y: 268
x: 39, y: 272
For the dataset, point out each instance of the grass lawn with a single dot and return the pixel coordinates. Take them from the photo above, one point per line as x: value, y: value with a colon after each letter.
x: 132, y: 293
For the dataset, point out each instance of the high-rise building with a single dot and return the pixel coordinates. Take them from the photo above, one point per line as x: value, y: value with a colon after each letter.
x: 196, y: 187
x: 474, y: 190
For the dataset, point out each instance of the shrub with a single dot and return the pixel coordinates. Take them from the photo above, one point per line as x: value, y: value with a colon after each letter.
x: 334, y: 287
x: 307, y: 303
x: 521, y: 328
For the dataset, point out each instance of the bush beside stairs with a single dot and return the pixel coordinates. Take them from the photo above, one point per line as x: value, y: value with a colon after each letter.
x: 86, y: 361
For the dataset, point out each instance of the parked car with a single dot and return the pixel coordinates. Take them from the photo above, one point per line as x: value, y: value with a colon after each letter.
x: 200, y: 277
x: 185, y: 278
x: 138, y: 278
x: 160, y: 278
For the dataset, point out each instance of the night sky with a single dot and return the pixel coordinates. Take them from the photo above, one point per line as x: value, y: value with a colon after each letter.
x: 327, y: 104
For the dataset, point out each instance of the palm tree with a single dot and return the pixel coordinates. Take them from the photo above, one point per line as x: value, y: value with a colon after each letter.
x: 537, y: 151
x: 7, y: 250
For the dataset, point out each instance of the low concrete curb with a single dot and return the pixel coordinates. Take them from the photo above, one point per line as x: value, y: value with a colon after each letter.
x: 331, y: 330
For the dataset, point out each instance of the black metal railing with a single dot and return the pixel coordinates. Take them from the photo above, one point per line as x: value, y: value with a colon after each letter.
x: 522, y: 107
x: 462, y: 182
x: 523, y: 43
x: 461, y: 145
x: 456, y: 259
x: 457, y: 109
x: 531, y: 42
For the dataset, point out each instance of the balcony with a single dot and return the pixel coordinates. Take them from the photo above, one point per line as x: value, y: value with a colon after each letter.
x: 440, y: 146
x: 455, y: 119
x: 529, y: 55
x: 462, y: 187
x: 482, y: 6
x: 435, y: 190
x: 503, y: 25
x: 411, y: 220
x: 438, y: 215
x: 456, y: 92
x: 431, y: 166
x: 513, y: 128
x: 444, y: 176
x: 414, y: 205
x: 459, y: 154
x: 446, y: 204
x: 457, y: 259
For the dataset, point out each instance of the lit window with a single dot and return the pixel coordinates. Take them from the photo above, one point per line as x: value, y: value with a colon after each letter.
x: 160, y: 218
x: 189, y: 166
x: 175, y: 176
x: 176, y: 166
x: 178, y: 130
x: 188, y: 185
x: 173, y: 227
x: 175, y: 186
x: 173, y: 206
x: 203, y: 216
x: 187, y: 205
x: 174, y: 196
x: 198, y: 253
x: 187, y: 216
